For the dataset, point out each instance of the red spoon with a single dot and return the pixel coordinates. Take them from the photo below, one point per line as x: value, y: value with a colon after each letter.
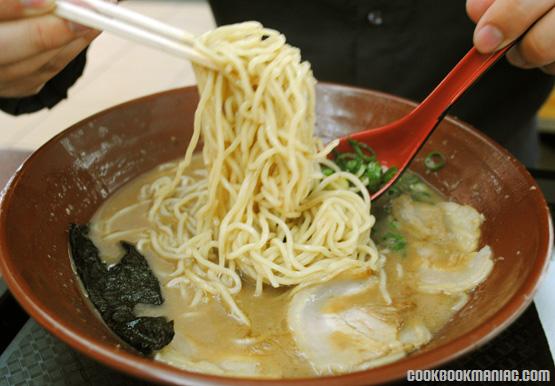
x: 397, y: 143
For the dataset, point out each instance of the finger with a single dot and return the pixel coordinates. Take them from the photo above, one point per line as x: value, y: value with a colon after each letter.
x: 24, y: 38
x: 537, y: 47
x: 15, y: 9
x: 31, y: 84
x: 67, y: 54
x: 549, y: 69
x: 25, y: 67
x: 476, y: 8
x: 23, y: 90
x: 506, y: 20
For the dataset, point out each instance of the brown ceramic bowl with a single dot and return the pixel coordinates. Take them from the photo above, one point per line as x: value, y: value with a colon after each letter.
x: 67, y: 179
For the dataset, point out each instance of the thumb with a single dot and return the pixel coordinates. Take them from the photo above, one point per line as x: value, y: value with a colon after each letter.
x: 15, y: 9
x: 476, y: 8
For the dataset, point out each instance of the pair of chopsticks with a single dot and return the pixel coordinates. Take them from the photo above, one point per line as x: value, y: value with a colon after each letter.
x: 131, y: 25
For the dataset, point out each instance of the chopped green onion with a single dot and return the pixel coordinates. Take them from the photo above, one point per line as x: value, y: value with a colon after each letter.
x: 342, y: 159
x: 394, y: 241
x: 389, y: 174
x: 422, y: 197
x: 363, y: 163
x: 434, y: 161
x: 327, y: 171
x: 418, y: 187
x: 409, y: 179
x: 374, y: 175
x: 393, y: 191
x: 394, y: 225
x: 353, y: 165
x: 358, y: 148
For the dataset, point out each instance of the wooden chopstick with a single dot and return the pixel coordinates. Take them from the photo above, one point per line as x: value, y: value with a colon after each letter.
x: 131, y: 25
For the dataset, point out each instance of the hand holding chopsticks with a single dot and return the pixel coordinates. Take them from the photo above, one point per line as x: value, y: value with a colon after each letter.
x: 142, y: 29
x: 36, y: 47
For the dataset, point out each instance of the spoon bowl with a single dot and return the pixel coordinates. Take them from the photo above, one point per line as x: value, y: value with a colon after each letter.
x: 397, y: 143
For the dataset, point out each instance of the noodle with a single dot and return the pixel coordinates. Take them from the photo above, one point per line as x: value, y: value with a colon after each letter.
x: 263, y: 210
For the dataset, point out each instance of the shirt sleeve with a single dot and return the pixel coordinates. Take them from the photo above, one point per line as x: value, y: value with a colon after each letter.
x: 51, y: 94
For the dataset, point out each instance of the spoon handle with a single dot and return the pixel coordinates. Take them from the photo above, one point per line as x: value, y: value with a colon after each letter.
x: 459, y: 79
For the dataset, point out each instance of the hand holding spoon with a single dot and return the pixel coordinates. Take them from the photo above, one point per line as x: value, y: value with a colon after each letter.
x: 398, y: 142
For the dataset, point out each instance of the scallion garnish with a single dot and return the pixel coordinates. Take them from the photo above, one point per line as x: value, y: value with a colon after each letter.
x: 394, y: 241
x: 393, y: 191
x: 375, y: 176
x: 390, y: 173
x: 434, y: 161
x: 327, y: 171
x: 353, y: 165
x: 362, y: 162
x: 359, y: 149
x: 422, y: 197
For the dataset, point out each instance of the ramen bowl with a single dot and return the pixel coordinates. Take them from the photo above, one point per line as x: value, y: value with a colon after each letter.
x: 66, y: 180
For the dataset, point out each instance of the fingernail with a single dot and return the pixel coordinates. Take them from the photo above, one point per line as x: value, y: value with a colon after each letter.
x: 516, y: 58
x: 488, y: 38
x: 78, y: 29
x: 37, y: 3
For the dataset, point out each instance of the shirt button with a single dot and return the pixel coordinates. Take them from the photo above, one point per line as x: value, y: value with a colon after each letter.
x: 375, y: 18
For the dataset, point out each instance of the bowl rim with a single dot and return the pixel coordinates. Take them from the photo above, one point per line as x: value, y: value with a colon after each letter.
x: 146, y: 368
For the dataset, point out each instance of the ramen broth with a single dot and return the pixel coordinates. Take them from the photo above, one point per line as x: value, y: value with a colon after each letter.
x: 208, y: 339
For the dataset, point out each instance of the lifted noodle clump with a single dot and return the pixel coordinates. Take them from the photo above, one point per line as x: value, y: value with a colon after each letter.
x: 263, y: 210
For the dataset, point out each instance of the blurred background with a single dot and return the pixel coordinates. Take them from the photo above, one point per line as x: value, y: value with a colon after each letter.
x: 546, y: 117
x: 118, y: 71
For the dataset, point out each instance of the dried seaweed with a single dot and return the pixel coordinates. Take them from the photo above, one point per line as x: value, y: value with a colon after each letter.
x: 115, y: 291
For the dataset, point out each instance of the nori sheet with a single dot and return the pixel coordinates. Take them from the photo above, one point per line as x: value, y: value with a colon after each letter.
x: 115, y: 291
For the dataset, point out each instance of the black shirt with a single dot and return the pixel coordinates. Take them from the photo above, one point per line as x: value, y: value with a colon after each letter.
x: 51, y: 94
x: 403, y: 47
